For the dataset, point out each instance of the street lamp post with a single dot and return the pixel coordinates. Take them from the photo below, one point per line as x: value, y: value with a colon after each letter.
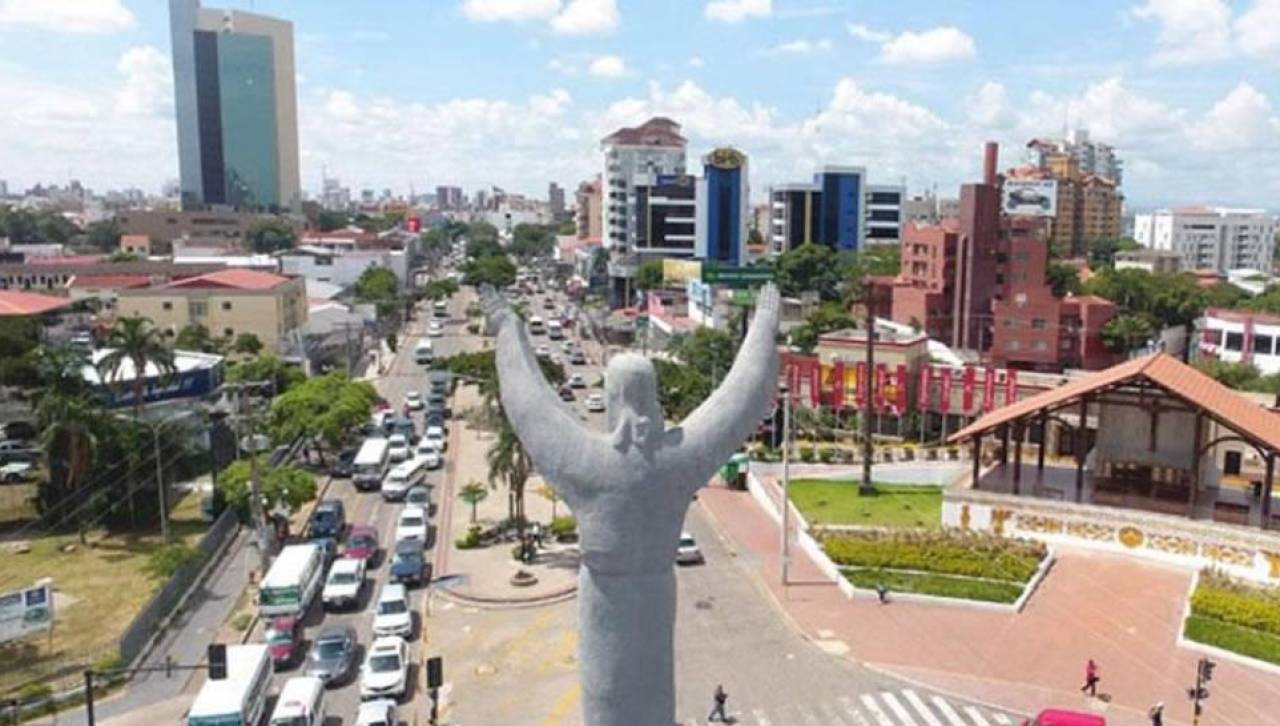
x: 784, y: 389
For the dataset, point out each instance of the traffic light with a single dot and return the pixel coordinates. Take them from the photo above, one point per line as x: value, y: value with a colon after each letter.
x: 1206, y: 670
x: 217, y: 661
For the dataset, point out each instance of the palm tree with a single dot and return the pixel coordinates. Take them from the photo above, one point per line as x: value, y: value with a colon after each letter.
x: 509, y: 462
x: 65, y: 411
x: 473, y: 493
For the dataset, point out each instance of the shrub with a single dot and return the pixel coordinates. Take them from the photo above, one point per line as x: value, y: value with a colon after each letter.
x: 1221, y: 598
x: 946, y: 553
x: 826, y: 454
x: 164, y: 562
x: 32, y: 692
x: 108, y: 662
x: 473, y: 328
x: 806, y: 454
x: 562, y: 527
x: 471, y: 540
x: 242, y: 621
x: 1244, y: 641
x: 939, y: 585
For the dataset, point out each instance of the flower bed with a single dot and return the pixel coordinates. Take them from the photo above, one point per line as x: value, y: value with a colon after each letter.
x: 944, y: 553
x: 1235, y: 616
x: 964, y: 588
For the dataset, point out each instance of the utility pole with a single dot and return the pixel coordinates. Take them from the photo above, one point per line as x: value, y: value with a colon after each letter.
x: 256, y: 513
x: 160, y: 487
x: 868, y: 404
x: 785, y: 390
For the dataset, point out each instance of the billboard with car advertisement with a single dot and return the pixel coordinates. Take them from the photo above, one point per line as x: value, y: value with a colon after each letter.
x: 1030, y: 197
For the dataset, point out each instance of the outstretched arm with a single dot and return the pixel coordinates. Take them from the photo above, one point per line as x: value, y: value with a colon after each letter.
x: 560, y: 447
x: 733, y: 411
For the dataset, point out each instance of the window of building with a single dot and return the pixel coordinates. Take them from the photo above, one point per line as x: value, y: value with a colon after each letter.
x: 1263, y: 344
x: 197, y: 309
x: 228, y: 332
x: 1040, y: 345
x: 1038, y: 323
x: 1066, y: 344
x: 1235, y: 341
x: 1013, y: 345
x: 226, y: 305
x: 166, y: 305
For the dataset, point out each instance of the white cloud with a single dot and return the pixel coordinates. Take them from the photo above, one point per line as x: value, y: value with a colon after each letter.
x: 1243, y: 119
x: 862, y: 32
x: 1191, y: 31
x: 936, y: 45
x: 67, y: 16
x: 582, y: 17
x: 551, y: 104
x: 733, y: 11
x: 800, y: 47
x: 491, y: 11
x: 608, y: 66
x: 989, y: 107
x: 342, y: 106
x: 1258, y: 30
x: 559, y: 65
x: 148, y: 83
x: 696, y: 62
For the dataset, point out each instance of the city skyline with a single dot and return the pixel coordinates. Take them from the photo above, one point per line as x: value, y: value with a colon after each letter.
x: 530, y: 88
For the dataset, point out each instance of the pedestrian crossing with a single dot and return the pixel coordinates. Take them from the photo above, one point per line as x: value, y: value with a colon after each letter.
x: 903, y: 707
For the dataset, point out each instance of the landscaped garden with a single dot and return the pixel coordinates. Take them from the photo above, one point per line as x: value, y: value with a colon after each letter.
x: 1235, y: 616
x: 829, y: 501
x: 939, y: 563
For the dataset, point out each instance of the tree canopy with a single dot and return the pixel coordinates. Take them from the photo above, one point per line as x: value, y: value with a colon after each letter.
x: 281, y: 487
x: 376, y: 284
x: 267, y: 368
x: 328, y: 220
x: 1102, y: 252
x: 1064, y: 279
x: 495, y: 270
x: 23, y: 226
x: 270, y: 234
x: 648, y: 276
x: 532, y: 241
x: 1240, y: 376
x: 105, y: 235
x: 828, y: 317
x: 809, y: 267
x: 196, y: 337
x: 327, y: 408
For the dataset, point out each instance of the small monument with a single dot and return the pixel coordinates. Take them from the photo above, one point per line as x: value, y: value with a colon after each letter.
x: 629, y: 489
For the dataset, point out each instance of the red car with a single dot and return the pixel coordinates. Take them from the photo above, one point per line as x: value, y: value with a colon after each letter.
x: 362, y: 543
x: 284, y: 640
x: 1059, y: 717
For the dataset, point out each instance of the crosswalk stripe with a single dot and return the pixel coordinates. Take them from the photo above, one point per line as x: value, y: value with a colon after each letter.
x: 1001, y: 719
x: 852, y: 712
x: 874, y: 708
x: 948, y: 712
x: 761, y: 719
x: 808, y: 716
x: 898, y: 709
x: 976, y: 715
x: 920, y: 706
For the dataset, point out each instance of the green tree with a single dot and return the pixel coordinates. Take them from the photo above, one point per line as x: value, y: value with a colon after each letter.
x: 105, y: 235
x: 440, y: 289
x: 247, y: 344
x: 281, y: 487
x: 532, y: 241
x: 196, y: 337
x: 509, y: 463
x: 473, y: 493
x: 1102, y: 252
x: 65, y: 412
x: 267, y: 367
x: 872, y: 260
x: 497, y: 271
x: 326, y: 410
x: 1267, y: 302
x: 680, y: 388
x: 809, y: 267
x: 134, y: 345
x: 270, y: 234
x: 706, y: 351
x: 600, y: 263
x: 479, y: 248
x: 376, y: 284
x: 827, y: 318
x: 19, y: 336
x: 1063, y: 278
x: 648, y: 276
x: 1126, y: 332
x: 329, y: 220
x: 123, y: 256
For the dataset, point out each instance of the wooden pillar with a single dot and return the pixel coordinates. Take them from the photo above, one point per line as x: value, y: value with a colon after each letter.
x: 1019, y: 432
x: 977, y: 458
x: 1044, y: 440
x: 1082, y: 430
x: 1267, y: 486
x: 1004, y: 445
x: 1195, y: 465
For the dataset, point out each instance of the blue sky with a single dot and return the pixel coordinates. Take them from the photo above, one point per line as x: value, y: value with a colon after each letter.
x: 516, y: 93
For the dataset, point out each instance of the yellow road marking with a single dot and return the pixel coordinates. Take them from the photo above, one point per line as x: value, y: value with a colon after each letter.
x: 567, y: 703
x: 559, y: 657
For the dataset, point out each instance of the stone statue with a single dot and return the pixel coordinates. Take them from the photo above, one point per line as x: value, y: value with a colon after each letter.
x: 629, y: 489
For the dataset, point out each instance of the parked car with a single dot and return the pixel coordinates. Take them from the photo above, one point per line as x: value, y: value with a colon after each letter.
x: 566, y: 393
x: 328, y: 519
x: 577, y: 380
x: 362, y: 543
x: 328, y: 547
x: 435, y: 418
x: 345, y: 582
x: 435, y: 329
x: 409, y: 566
x: 441, y: 382
x: 397, y: 447
x: 578, y: 358
x: 687, y: 552
x: 333, y: 655
x: 284, y: 640
x: 427, y: 452
x: 380, y: 712
x: 393, y: 616
x: 438, y: 401
x: 412, y: 524
x: 342, y: 464
x: 413, y: 401
x: 419, y: 496
x: 595, y: 403
x: 385, y: 673
x: 435, y: 435
x: 1060, y: 717
x: 16, y: 472
x: 404, y: 426
x: 543, y: 351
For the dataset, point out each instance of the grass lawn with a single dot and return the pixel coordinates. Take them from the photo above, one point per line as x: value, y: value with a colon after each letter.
x: 964, y: 588
x: 824, y: 501
x: 1236, y: 638
x: 104, y: 585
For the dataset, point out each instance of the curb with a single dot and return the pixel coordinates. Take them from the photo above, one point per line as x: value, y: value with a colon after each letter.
x: 497, y: 603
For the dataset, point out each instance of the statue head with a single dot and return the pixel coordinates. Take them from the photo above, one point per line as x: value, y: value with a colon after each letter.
x: 631, y: 393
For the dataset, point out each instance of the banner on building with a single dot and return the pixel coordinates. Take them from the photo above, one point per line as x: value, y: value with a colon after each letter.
x: 860, y: 384
x: 944, y: 393
x: 815, y: 384
x: 681, y: 271
x: 881, y: 381
x: 413, y: 224
x: 923, y: 392
x: 26, y: 611
x: 966, y: 396
x: 837, y: 385
x: 1030, y: 197
x: 989, y: 391
x: 1010, y: 386
x: 900, y: 393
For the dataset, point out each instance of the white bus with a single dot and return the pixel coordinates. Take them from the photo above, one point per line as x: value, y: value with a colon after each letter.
x: 535, y: 326
x: 554, y: 330
x: 422, y: 352
x: 370, y: 464
x: 241, y: 697
x: 292, y: 582
x: 301, y: 703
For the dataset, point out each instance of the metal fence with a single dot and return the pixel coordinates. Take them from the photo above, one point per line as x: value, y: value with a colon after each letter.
x: 147, y: 622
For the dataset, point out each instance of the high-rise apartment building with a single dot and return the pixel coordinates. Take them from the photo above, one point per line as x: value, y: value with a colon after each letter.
x: 666, y: 217
x: 236, y: 107
x: 449, y: 198
x: 555, y: 201
x: 1088, y: 206
x: 588, y: 214
x: 838, y: 209
x: 633, y: 157
x: 723, y: 207
x: 1211, y: 238
x: 1090, y: 156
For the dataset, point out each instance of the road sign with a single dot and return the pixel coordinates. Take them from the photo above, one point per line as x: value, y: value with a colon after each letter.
x: 735, y: 276
x: 642, y: 322
x: 743, y: 298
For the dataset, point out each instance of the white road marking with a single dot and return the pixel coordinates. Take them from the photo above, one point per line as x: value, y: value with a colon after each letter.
x: 976, y: 715
x: 920, y: 707
x: 898, y: 709
x: 870, y: 702
x: 1001, y: 719
x: 947, y: 711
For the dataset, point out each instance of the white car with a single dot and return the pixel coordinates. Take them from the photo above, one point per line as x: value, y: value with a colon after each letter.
x: 577, y: 381
x: 15, y: 471
x: 435, y: 436
x: 346, y: 580
x: 381, y: 712
x: 397, y: 447
x: 412, y: 524
x: 428, y: 453
x: 543, y: 351
x: 595, y: 403
x: 402, y: 478
x: 393, y: 616
x: 413, y: 401
x: 385, y: 673
x: 435, y: 329
x: 687, y: 552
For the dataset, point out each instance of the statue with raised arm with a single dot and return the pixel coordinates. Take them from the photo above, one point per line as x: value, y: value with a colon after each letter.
x: 629, y: 489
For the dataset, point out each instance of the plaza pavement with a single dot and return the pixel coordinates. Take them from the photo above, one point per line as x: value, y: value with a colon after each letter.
x: 1124, y: 613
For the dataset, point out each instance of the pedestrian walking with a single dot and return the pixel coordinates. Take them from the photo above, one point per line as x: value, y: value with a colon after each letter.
x: 717, y: 711
x: 1156, y: 714
x: 1091, y: 678
x: 882, y: 592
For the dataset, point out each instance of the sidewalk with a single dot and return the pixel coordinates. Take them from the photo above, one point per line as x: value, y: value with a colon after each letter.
x: 1124, y: 613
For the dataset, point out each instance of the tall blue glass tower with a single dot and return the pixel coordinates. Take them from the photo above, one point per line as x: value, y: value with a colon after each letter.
x: 723, y: 207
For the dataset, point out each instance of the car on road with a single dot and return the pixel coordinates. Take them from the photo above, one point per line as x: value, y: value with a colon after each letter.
x: 385, y: 673
x: 441, y: 381
x: 435, y: 329
x: 393, y: 615
x: 402, y: 477
x: 543, y: 351
x: 412, y: 524
x: 595, y: 403
x: 345, y: 582
x: 413, y: 401
x: 380, y: 712
x: 577, y: 380
x: 438, y: 403
x: 333, y: 655
x: 397, y: 447
x: 435, y: 418
x: 16, y: 472
x: 427, y: 452
x: 1060, y: 717
x: 566, y: 393
x: 284, y: 640
x: 436, y: 436
x: 343, y: 464
x: 409, y: 565
x: 578, y: 358
x: 687, y: 552
x: 567, y: 347
x: 404, y: 426
x: 328, y: 547
x: 362, y: 544
x: 419, y: 496
x: 328, y: 519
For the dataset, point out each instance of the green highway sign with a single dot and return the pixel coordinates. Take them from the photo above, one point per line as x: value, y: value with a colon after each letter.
x: 743, y: 298
x: 735, y: 276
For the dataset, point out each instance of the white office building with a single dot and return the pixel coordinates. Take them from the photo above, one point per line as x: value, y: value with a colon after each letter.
x: 1210, y: 238
x: 645, y: 154
x: 341, y: 268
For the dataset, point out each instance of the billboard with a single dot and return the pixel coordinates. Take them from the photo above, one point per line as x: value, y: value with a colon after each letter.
x: 1030, y: 197
x: 26, y: 611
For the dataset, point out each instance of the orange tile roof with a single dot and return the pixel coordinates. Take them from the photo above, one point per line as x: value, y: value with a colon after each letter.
x: 109, y: 281
x: 15, y: 303
x: 1181, y: 380
x: 236, y: 277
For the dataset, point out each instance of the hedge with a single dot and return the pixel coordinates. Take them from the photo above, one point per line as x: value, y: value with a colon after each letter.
x: 1235, y: 638
x: 1220, y: 598
x: 938, y: 585
x: 945, y: 553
